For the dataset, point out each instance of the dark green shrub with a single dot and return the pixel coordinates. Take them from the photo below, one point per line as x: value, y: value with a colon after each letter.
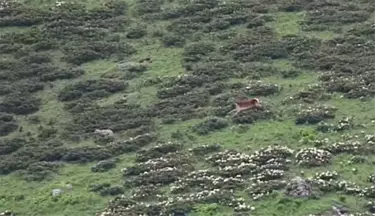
x: 206, y: 149
x: 173, y: 40
x: 173, y: 91
x: 157, y: 151
x: 148, y: 6
x: 136, y: 32
x: 250, y: 116
x: 78, y: 53
x: 217, y: 25
x: 217, y: 70
x: 7, y: 128
x: 62, y: 74
x: 23, y: 16
x: 40, y: 171
x: 81, y: 105
x: 86, y: 154
x: 34, y: 119
x: 315, y: 114
x: 181, y: 107
x: 116, y: 117
x: 102, y: 140
x: 129, y: 70
x: 194, y: 52
x: 47, y: 133
x: 112, y: 191
x: 20, y: 104
x: 209, y: 125
x: 116, y: 7
x: 4, y: 117
x: 45, y: 45
x: 91, y: 88
x: 290, y: 74
x: 216, y: 88
x: 261, y: 52
x: 33, y: 70
x: 36, y: 58
x: 8, y: 146
x: 103, y: 166
x: 98, y: 187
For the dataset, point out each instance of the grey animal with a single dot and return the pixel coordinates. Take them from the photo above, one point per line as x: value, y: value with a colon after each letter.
x: 104, y: 132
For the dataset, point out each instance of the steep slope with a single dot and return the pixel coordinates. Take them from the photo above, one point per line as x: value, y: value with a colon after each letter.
x: 163, y: 76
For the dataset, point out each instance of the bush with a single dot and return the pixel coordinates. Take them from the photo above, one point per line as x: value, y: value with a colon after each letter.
x: 105, y: 189
x: 7, y: 128
x: 173, y: 91
x: 315, y: 114
x: 256, y: 22
x: 116, y: 117
x: 103, y: 166
x: 288, y: 74
x: 173, y: 40
x: 261, y: 52
x: 250, y: 116
x: 311, y: 94
x: 209, y: 125
x: 81, y: 52
x: 45, y: 45
x: 260, y: 88
x: 217, y: 70
x: 40, y: 171
x: 216, y: 88
x: 181, y: 107
x: 217, y: 25
x: 205, y: 149
x: 132, y: 144
x: 30, y: 86
x: 148, y: 6
x: 36, y: 58
x: 131, y: 70
x: 4, y: 117
x: 103, y: 140
x: 91, y: 88
x: 34, y: 119
x: 132, y: 67
x: 256, y: 39
x: 20, y: 104
x: 26, y: 152
x: 194, y: 52
x: 98, y: 187
x: 157, y: 151
x: 47, y: 133
x: 8, y: 146
x: 86, y: 154
x: 62, y: 74
x: 256, y: 70
x: 136, y: 32
x: 34, y: 70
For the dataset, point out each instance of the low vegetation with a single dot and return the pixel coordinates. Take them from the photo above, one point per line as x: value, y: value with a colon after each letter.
x: 122, y: 107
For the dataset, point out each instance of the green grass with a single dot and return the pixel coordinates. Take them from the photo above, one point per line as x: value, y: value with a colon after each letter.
x: 167, y: 62
x: 38, y: 201
x: 288, y: 23
x: 258, y: 135
x: 302, y: 207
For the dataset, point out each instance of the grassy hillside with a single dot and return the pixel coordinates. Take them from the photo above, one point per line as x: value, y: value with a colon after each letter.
x: 163, y: 75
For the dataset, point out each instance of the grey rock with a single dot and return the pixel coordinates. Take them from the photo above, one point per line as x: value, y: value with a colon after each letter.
x: 57, y: 192
x: 104, y: 165
x: 299, y: 187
